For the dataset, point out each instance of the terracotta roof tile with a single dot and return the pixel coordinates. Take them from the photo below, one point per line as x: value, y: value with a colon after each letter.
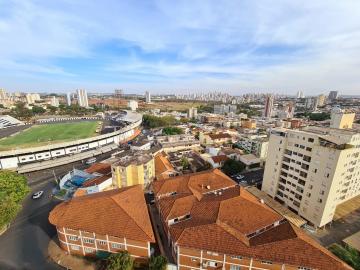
x: 103, y: 168
x: 120, y: 212
x: 219, y: 158
x: 235, y: 222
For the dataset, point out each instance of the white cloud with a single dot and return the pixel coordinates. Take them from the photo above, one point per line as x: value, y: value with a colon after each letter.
x: 285, y: 45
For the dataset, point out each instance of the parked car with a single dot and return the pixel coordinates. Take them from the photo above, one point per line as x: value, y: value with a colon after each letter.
x: 91, y: 160
x: 37, y: 195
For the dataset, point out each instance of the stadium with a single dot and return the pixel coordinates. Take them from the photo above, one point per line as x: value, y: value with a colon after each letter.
x: 56, y: 141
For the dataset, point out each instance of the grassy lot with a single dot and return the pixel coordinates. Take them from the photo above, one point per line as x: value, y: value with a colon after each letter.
x: 43, y: 134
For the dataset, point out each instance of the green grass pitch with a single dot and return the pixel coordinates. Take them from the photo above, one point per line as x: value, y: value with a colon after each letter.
x: 49, y: 133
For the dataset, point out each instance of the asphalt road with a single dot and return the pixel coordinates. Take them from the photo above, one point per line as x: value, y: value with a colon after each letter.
x: 24, y: 245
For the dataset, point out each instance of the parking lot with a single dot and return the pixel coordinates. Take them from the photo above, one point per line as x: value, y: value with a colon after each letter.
x: 252, y: 178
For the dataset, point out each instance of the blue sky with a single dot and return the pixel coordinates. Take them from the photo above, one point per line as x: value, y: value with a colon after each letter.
x: 179, y: 46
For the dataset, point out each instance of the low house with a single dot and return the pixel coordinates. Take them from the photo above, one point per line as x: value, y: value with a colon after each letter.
x: 105, y: 222
x: 96, y: 178
x: 163, y: 167
x: 217, y: 161
x: 214, y: 138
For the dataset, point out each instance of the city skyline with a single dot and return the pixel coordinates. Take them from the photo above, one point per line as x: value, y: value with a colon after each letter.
x: 159, y: 46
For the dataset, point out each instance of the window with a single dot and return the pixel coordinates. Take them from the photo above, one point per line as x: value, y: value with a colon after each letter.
x: 266, y: 262
x: 102, y: 242
x: 88, y: 250
x: 236, y: 257
x: 116, y: 245
x: 311, y: 140
x: 88, y: 241
x: 73, y: 238
x: 75, y: 247
x: 235, y: 267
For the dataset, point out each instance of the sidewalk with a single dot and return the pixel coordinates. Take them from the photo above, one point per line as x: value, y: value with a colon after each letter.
x: 67, y: 261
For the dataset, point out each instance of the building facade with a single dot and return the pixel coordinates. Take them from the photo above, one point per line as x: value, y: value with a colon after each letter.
x: 147, y: 97
x: 124, y: 224
x: 82, y: 98
x: 269, y: 104
x: 211, y: 223
x: 134, y: 169
x: 313, y: 170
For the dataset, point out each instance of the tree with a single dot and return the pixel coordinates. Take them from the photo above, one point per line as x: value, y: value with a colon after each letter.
x: 38, y: 110
x: 21, y: 112
x: 8, y: 211
x: 52, y: 109
x: 185, y: 163
x: 13, y: 185
x: 13, y: 189
x: 232, y: 167
x: 172, y: 131
x: 151, y: 121
x: 348, y: 254
x: 120, y: 261
x: 158, y: 263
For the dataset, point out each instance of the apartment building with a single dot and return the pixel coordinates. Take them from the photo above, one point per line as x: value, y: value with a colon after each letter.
x: 135, y: 168
x: 211, y: 223
x: 109, y: 221
x: 82, y: 98
x: 312, y: 170
x: 248, y: 123
x: 254, y: 144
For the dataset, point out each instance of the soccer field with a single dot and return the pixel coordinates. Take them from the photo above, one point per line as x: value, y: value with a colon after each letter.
x: 49, y: 133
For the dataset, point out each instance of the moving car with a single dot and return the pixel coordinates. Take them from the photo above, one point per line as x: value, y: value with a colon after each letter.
x: 37, y: 195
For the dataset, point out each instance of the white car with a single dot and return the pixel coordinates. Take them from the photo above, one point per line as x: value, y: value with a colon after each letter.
x: 38, y: 194
x: 91, y: 160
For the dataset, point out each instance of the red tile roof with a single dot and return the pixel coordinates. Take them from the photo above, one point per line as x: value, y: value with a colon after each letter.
x: 103, y: 168
x: 220, y: 158
x: 235, y: 222
x: 218, y: 136
x: 119, y: 212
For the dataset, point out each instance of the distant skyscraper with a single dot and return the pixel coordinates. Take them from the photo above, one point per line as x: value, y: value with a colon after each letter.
x: 269, y: 103
x: 54, y: 101
x: 68, y: 99
x: 3, y: 94
x: 82, y: 98
x: 147, y: 97
x: 300, y: 94
x: 192, y: 112
x: 321, y: 100
x: 312, y: 103
x: 333, y: 95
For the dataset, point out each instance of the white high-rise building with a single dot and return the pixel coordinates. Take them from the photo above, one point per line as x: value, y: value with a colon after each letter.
x: 225, y: 109
x: 68, y: 98
x: 333, y: 95
x: 82, y: 98
x: 192, y: 112
x: 3, y: 94
x: 31, y: 98
x: 133, y: 105
x: 147, y: 97
x: 313, y: 170
x: 54, y: 101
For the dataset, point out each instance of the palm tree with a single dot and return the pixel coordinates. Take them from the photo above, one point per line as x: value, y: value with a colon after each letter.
x: 120, y: 261
x: 157, y: 263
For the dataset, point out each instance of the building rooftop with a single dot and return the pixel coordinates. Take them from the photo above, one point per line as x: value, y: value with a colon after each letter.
x: 230, y: 220
x: 132, y: 158
x: 162, y: 164
x: 120, y: 212
x: 218, y: 136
